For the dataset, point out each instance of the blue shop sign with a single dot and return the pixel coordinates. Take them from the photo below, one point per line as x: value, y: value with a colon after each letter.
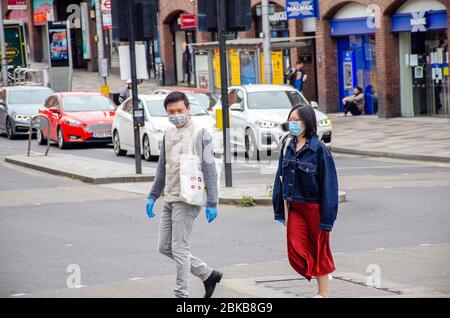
x: 301, y: 9
x: 421, y: 21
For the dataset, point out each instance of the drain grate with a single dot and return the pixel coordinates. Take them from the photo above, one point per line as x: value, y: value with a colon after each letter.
x: 340, y: 287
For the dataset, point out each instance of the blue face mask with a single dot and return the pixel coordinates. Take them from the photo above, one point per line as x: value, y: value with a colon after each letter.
x: 295, y: 128
x: 178, y: 120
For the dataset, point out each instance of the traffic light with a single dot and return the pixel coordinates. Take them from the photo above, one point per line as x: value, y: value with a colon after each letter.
x: 238, y: 15
x: 144, y: 19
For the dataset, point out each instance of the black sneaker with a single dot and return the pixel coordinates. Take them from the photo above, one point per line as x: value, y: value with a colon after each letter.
x: 210, y: 283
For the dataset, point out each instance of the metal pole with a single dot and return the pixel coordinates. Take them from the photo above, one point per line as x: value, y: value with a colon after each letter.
x: 134, y: 90
x: 100, y: 41
x: 221, y: 24
x: 266, y: 42
x: 3, y: 49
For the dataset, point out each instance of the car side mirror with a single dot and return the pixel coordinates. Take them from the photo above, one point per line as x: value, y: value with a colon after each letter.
x: 236, y: 106
x: 53, y: 110
x: 314, y: 104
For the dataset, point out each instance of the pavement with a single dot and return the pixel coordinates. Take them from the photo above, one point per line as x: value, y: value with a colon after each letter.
x: 417, y: 138
x: 121, y: 176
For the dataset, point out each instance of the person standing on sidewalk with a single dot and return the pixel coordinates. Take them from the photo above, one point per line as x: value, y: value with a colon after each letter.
x: 126, y: 92
x: 305, y: 197
x: 177, y: 217
x: 300, y: 76
x: 354, y: 104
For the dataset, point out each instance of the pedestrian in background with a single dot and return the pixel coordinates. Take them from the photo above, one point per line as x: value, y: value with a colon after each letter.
x: 177, y: 217
x: 305, y: 198
x: 354, y: 104
x: 300, y: 76
x: 126, y: 92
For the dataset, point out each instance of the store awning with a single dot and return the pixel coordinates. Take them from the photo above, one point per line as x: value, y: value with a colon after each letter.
x: 252, y: 43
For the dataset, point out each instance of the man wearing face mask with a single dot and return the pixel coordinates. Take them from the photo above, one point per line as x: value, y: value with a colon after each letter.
x: 177, y: 217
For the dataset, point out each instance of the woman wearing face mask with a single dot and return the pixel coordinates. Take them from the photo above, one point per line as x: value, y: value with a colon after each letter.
x: 305, y: 198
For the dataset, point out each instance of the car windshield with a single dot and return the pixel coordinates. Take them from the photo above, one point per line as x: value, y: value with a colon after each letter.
x: 205, y: 99
x: 275, y: 99
x: 87, y: 103
x: 31, y: 96
x: 156, y: 109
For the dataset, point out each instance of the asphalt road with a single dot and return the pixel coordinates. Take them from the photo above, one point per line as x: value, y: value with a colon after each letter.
x: 392, y: 204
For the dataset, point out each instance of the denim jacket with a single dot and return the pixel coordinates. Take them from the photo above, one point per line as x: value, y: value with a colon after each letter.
x: 307, y: 176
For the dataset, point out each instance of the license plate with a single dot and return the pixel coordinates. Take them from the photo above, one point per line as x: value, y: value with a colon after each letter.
x: 102, y: 134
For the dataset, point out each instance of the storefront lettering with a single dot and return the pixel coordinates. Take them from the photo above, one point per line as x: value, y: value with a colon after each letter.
x: 418, y: 22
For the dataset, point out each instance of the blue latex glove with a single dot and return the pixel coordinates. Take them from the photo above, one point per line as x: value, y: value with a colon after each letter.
x: 150, y: 204
x: 211, y: 214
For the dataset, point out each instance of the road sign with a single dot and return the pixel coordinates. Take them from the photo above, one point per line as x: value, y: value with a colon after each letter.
x: 188, y: 21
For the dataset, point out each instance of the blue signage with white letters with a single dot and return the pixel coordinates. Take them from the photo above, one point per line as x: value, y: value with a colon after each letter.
x: 301, y: 9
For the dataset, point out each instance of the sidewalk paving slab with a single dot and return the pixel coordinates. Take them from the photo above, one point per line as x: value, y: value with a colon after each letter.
x: 417, y: 138
x: 121, y: 176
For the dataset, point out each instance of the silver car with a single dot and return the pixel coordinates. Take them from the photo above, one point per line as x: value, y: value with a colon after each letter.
x: 17, y: 105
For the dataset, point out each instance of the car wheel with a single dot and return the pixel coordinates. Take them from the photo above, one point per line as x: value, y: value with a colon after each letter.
x: 116, y: 144
x: 251, y: 150
x: 146, y: 148
x: 9, y: 129
x: 62, y: 144
x: 41, y: 140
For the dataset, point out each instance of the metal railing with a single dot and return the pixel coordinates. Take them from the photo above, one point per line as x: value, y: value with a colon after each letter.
x: 39, y: 122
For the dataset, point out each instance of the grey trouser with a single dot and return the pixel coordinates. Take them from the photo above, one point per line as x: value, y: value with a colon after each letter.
x: 177, y: 219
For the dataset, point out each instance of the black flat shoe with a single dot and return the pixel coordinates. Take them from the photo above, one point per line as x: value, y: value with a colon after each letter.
x: 211, y: 282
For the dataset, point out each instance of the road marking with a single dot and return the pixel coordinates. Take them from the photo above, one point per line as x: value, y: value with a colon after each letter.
x: 338, y: 253
x: 136, y: 278
x: 380, y: 249
x: 388, y: 187
x: 241, y: 264
x: 37, y: 203
x: 79, y: 286
x: 69, y: 245
x: 18, y: 295
x: 425, y: 244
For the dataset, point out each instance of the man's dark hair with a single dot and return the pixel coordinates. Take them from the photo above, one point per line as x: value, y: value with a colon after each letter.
x: 174, y: 97
x: 359, y: 88
x: 308, y: 116
x: 300, y: 62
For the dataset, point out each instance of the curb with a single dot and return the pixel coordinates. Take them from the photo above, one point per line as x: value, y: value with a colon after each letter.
x: 390, y: 155
x: 82, y: 178
x: 268, y: 201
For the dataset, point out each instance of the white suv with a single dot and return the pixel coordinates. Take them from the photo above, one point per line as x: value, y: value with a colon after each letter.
x: 256, y: 115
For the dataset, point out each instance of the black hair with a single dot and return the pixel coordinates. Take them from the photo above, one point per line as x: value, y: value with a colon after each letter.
x: 359, y: 89
x: 174, y: 97
x: 307, y: 115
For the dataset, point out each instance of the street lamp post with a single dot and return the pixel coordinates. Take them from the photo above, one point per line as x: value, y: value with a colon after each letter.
x: 266, y: 42
x: 221, y: 24
x: 3, y: 49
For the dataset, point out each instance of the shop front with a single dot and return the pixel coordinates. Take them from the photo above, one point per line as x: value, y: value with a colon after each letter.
x: 356, y: 54
x: 423, y: 58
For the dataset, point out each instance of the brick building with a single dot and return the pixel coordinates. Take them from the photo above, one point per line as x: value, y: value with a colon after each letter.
x: 171, y: 39
x: 401, y: 55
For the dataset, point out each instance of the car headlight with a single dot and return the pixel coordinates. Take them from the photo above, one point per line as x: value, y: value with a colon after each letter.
x: 73, y: 122
x: 325, y: 122
x: 266, y: 124
x: 19, y: 117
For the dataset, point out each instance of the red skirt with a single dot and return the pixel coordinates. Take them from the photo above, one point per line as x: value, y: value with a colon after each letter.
x: 308, y: 246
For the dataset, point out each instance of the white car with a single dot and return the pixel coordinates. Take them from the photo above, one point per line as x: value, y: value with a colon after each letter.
x: 257, y: 112
x: 156, y: 122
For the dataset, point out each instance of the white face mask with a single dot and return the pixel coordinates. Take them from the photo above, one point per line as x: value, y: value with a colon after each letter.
x: 178, y: 120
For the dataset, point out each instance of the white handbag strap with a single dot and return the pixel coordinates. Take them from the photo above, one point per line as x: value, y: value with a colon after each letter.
x: 197, y: 130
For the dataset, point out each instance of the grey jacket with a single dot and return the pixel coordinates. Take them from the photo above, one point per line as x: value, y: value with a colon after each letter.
x: 204, y: 147
x: 358, y: 100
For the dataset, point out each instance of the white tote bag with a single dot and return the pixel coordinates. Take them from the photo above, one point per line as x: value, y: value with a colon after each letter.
x: 192, y: 185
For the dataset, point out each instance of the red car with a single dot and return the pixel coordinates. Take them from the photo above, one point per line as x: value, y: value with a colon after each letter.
x: 77, y: 118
